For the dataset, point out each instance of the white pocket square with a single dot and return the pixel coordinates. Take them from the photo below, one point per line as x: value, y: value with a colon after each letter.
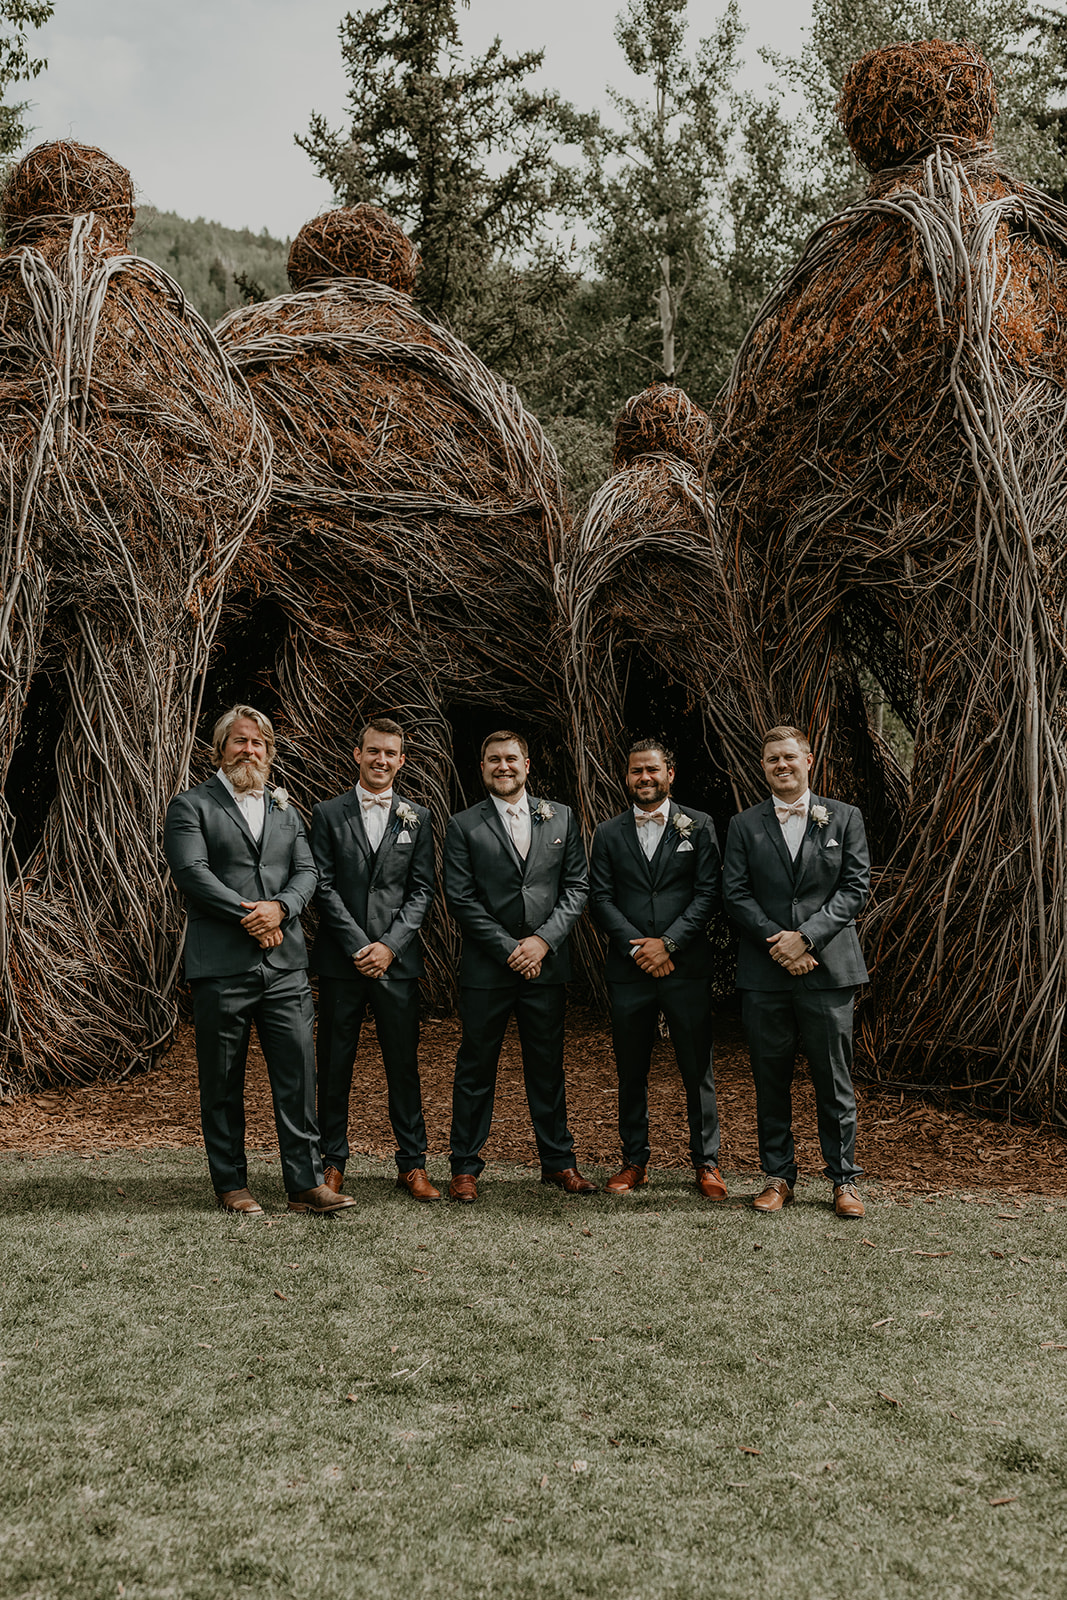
x: 404, y: 838
x: 685, y: 845
x: 832, y: 844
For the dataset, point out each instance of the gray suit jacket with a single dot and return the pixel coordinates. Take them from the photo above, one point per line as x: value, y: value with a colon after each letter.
x: 671, y: 896
x: 498, y: 899
x: 216, y: 864
x: 820, y: 894
x: 364, y: 896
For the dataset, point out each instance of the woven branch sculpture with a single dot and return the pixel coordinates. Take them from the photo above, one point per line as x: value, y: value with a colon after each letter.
x: 416, y: 520
x: 892, y: 451
x: 132, y: 463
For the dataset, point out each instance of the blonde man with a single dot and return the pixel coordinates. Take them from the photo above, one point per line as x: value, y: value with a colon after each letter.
x: 240, y: 856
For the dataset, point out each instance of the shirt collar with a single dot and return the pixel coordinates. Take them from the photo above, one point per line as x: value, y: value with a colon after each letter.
x: 365, y: 794
x: 663, y: 808
x: 241, y: 799
x: 522, y: 804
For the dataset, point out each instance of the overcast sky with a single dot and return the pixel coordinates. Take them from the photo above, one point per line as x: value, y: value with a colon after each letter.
x: 201, y: 98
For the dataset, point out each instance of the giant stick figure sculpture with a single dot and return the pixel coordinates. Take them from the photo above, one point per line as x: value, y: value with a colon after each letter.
x: 893, y: 451
x: 132, y: 464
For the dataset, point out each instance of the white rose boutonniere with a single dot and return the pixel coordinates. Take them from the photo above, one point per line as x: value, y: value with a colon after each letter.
x: 820, y: 816
x: 406, y: 816
x: 682, y: 825
x: 280, y: 798
x: 542, y: 812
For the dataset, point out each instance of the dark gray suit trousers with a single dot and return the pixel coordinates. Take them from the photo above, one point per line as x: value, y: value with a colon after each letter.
x: 778, y: 1023
x: 394, y: 1004
x: 635, y: 1008
x: 278, y: 1001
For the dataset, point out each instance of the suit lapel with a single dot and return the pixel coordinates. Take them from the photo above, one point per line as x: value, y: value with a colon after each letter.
x: 773, y: 829
x: 537, y: 843
x: 629, y: 829
x: 496, y: 822
x: 381, y: 855
x: 668, y: 843
x: 223, y: 798
x: 354, y: 814
x: 808, y: 845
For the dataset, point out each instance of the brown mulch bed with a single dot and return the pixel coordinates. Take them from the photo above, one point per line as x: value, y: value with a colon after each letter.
x: 905, y: 1143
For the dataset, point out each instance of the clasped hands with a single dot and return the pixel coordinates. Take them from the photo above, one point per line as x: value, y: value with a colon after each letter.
x: 790, y: 951
x: 264, y: 922
x: 653, y: 957
x: 527, y: 956
x: 374, y: 960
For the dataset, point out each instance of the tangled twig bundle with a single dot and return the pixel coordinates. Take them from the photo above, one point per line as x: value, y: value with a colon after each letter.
x: 900, y: 103
x: 359, y: 242
x: 416, y: 519
x: 893, y: 453
x: 133, y: 464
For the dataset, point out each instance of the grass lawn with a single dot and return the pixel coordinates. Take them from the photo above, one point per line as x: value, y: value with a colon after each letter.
x: 533, y: 1396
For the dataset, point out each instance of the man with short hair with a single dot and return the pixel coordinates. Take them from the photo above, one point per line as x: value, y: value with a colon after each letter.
x: 797, y: 874
x: 374, y: 855
x: 654, y: 883
x: 516, y: 882
x: 240, y: 856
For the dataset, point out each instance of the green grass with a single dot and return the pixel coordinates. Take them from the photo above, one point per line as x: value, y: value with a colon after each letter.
x: 533, y: 1396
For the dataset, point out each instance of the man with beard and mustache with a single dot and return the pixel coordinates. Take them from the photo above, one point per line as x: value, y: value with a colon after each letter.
x: 654, y: 882
x: 516, y: 882
x: 241, y: 858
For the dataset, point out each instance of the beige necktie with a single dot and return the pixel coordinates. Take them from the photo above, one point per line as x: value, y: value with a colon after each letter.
x: 518, y: 831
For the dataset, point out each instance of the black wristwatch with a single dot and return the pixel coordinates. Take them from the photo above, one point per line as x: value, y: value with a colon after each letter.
x: 671, y: 946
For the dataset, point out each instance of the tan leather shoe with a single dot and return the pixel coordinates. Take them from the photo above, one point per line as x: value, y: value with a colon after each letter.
x: 320, y: 1201
x: 333, y: 1178
x: 776, y: 1195
x: 847, y: 1202
x: 626, y: 1179
x: 463, y: 1188
x: 417, y: 1184
x: 238, y: 1201
x: 570, y: 1180
x: 709, y: 1181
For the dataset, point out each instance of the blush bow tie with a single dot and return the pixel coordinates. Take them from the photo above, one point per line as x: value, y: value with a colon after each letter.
x: 643, y: 818
x: 369, y: 800
x: 797, y: 809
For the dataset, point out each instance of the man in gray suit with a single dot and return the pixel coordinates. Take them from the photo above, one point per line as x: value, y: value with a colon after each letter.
x: 654, y: 883
x: 516, y: 882
x: 796, y: 875
x: 374, y: 855
x: 240, y: 856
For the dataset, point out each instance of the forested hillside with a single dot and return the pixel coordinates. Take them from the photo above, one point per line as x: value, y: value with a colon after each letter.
x: 219, y: 268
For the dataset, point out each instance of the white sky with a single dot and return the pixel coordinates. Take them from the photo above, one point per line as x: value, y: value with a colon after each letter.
x: 201, y: 98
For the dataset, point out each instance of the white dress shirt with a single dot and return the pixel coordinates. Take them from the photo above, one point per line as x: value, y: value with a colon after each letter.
x: 649, y: 834
x: 253, y: 807
x: 794, y: 827
x: 375, y: 817
x: 515, y: 815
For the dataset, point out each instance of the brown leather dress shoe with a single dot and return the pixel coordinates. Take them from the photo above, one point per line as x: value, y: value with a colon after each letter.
x: 463, y: 1188
x: 238, y: 1201
x: 569, y: 1180
x: 417, y: 1184
x: 709, y: 1181
x: 625, y: 1179
x: 333, y: 1178
x: 847, y: 1202
x: 776, y: 1195
x: 320, y: 1201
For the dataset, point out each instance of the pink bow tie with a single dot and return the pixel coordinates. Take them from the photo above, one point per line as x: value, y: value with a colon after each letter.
x: 385, y: 800
x: 643, y: 818
x: 797, y: 809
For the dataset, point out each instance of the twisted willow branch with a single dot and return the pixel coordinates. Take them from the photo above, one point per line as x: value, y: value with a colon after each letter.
x: 893, y: 452
x: 132, y: 464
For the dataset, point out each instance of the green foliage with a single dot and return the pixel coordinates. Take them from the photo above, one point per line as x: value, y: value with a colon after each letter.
x: 1025, y: 47
x: 17, y: 65
x: 533, y: 1396
x: 218, y: 268
x: 459, y: 152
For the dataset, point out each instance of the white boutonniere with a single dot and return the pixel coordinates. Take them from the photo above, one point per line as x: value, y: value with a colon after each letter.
x: 820, y: 816
x: 542, y: 812
x: 406, y: 815
x: 280, y: 798
x: 682, y: 825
